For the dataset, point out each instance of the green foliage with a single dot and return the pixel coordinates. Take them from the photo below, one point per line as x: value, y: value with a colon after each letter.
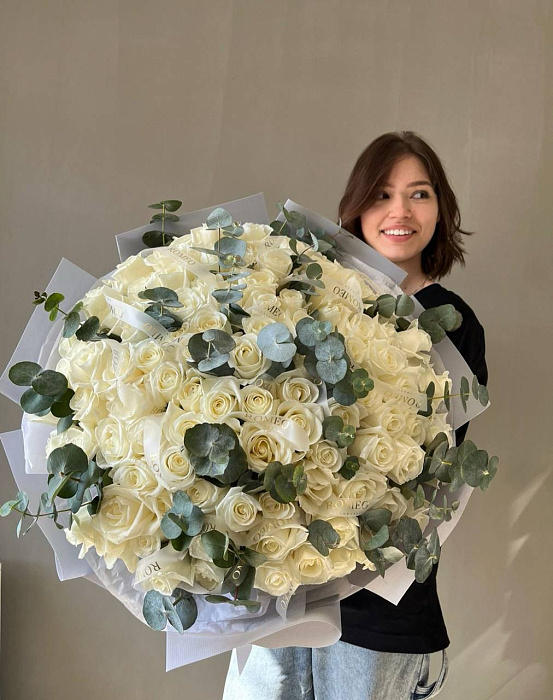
x: 210, y: 352
x: 284, y: 482
x: 336, y: 431
x: 350, y: 467
x: 157, y: 238
x: 183, y: 518
x: 215, y: 452
x: 439, y: 320
x: 163, y: 299
x: 322, y: 536
x: 276, y: 343
x: 179, y: 609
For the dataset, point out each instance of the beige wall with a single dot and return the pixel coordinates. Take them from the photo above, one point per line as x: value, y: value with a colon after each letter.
x: 108, y: 106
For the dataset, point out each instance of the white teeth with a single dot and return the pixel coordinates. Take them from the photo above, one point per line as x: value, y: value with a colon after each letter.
x: 397, y: 232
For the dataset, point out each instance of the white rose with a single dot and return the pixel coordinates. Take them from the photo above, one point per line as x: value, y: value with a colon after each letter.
x: 205, y: 495
x: 175, y: 470
x: 203, y: 237
x: 91, y: 365
x: 123, y: 515
x: 247, y: 358
x: 190, y: 391
x: 414, y: 341
x: 311, y: 566
x: 239, y: 510
x: 128, y: 401
x: 375, y: 446
x: 176, y: 422
x: 164, y: 571
x: 257, y: 400
x: 319, y: 489
x: 354, y: 496
x: 278, y: 543
x: 221, y: 397
x: 88, y: 405
x: 147, y: 355
x: 347, y: 529
x: 437, y: 423
x: 351, y: 415
x: 326, y: 455
x: 308, y: 416
x: 275, y: 578
x: 135, y: 476
x: 207, y: 318
x: 207, y: 575
x: 263, y: 446
x: 274, y: 509
x: 113, y: 442
x: 394, y: 501
x: 410, y: 460
x: 83, y: 437
x: 291, y: 299
x: 385, y: 359
x: 128, y: 272
x: 144, y: 545
x: 343, y: 560
x: 253, y: 324
x: 277, y: 260
x: 255, y: 232
x: 163, y: 382
x: 298, y: 389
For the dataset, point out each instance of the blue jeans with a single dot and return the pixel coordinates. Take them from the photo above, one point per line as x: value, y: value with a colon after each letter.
x: 338, y: 671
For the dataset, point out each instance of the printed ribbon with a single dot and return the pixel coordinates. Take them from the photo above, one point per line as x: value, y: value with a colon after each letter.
x: 136, y: 318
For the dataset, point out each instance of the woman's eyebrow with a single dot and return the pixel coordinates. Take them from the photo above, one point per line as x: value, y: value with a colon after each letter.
x: 412, y: 184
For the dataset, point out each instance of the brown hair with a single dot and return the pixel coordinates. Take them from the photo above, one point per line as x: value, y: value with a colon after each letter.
x: 367, y: 178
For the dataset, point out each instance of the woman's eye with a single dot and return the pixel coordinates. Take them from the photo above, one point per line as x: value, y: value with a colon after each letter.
x: 423, y: 192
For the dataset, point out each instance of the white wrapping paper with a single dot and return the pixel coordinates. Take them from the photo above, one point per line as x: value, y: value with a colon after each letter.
x: 312, y: 616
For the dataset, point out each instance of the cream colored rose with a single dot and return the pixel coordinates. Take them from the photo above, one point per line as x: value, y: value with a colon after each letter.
x: 239, y: 510
x: 351, y: 415
x: 409, y: 460
x: 175, y: 470
x: 85, y: 534
x: 255, y: 232
x: 144, y: 545
x: 277, y: 260
x: 343, y: 560
x: 331, y: 311
x: 295, y: 388
x: 263, y: 446
x: 176, y: 422
x: 354, y: 496
x: 88, y: 405
x: 128, y: 401
x: 163, y: 382
x: 275, y: 578
x: 124, y: 515
x: 84, y: 437
x: 113, y: 442
x: 347, y: 529
x: 247, y: 359
x: 255, y: 399
x: 207, y: 318
x: 437, y: 423
x: 203, y: 237
x: 414, y: 341
x: 91, y: 366
x: 147, y: 355
x: 135, y: 476
x: 206, y: 495
x: 278, y: 543
x: 394, y: 501
x: 375, y: 446
x: 255, y: 323
x: 326, y: 455
x: 311, y: 566
x: 385, y: 359
x: 274, y: 509
x: 308, y: 416
x: 291, y: 299
x: 190, y: 391
x: 319, y: 489
x: 221, y: 397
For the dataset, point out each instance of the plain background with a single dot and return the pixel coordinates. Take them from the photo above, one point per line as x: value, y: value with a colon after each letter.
x: 108, y: 106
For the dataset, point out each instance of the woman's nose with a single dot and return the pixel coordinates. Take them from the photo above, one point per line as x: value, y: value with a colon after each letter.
x: 400, y: 207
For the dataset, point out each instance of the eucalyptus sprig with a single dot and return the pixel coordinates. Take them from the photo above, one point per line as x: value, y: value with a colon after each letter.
x: 294, y: 226
x: 163, y: 298
x: 89, y: 330
x: 156, y: 238
x: 71, y: 477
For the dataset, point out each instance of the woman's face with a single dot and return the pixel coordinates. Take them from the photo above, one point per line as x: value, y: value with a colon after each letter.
x: 407, y: 202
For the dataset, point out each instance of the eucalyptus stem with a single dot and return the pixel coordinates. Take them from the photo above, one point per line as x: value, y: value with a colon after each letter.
x: 40, y: 515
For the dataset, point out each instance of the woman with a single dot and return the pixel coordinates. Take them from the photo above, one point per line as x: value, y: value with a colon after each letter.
x: 397, y: 185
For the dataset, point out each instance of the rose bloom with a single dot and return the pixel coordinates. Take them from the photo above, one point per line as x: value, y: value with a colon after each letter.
x: 263, y: 446
x: 247, y: 358
x: 299, y: 389
x: 310, y: 565
x: 239, y: 510
x: 275, y: 578
x: 123, y: 514
x: 221, y: 397
x: 257, y: 400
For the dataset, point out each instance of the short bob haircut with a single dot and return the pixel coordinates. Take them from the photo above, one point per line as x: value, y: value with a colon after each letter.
x: 367, y: 178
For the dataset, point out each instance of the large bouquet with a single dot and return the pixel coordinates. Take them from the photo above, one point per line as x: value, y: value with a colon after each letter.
x: 243, y: 413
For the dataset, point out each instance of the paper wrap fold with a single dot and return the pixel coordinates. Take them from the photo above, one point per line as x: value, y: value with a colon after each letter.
x: 312, y: 616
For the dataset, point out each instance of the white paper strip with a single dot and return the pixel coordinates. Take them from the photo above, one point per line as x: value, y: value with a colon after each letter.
x: 136, y: 318
x: 252, y: 208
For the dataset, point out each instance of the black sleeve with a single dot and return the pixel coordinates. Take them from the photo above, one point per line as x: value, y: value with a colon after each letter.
x: 470, y: 340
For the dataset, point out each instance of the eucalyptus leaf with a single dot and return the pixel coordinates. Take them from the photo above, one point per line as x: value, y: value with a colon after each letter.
x: 323, y: 536
x: 23, y: 373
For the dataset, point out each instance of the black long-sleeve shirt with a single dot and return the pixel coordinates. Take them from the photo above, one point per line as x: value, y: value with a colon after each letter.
x: 416, y: 625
